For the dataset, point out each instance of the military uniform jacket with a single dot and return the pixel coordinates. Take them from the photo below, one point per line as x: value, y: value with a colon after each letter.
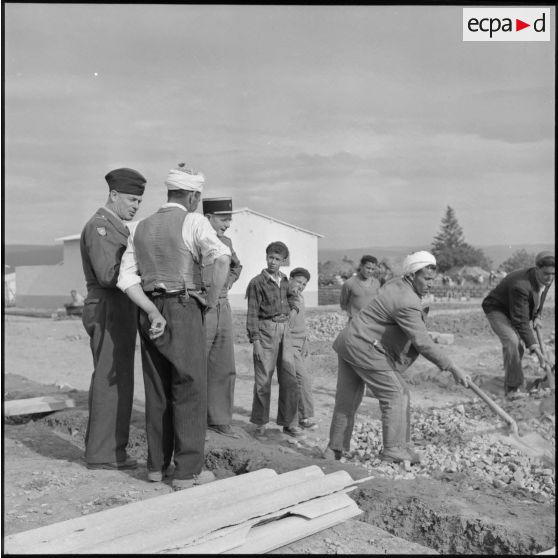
x: 103, y: 241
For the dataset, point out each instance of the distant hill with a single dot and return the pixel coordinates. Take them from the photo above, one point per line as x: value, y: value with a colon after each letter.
x: 33, y: 254
x: 496, y: 252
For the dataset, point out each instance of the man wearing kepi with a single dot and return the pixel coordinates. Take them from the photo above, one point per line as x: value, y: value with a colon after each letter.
x: 375, y: 348
x: 109, y: 318
x: 511, y: 307
x: 221, y: 371
x: 161, y: 273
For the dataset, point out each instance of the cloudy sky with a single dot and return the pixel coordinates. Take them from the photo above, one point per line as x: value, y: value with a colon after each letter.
x: 359, y: 123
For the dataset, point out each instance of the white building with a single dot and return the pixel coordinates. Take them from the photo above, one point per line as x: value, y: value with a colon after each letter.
x: 251, y: 232
x: 49, y: 286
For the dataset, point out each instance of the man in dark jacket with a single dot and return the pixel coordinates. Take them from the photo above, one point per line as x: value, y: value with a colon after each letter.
x: 109, y: 317
x: 511, y: 307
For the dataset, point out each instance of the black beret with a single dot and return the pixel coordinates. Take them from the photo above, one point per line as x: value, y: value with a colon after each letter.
x: 300, y: 271
x: 217, y: 206
x: 126, y: 181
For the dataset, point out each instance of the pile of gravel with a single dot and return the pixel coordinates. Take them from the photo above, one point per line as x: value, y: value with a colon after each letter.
x: 460, y: 440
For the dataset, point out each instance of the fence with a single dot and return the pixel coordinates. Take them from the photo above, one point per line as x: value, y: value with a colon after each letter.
x: 331, y: 293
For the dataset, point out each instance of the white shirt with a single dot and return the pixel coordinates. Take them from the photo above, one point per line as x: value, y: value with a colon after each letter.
x: 199, y: 237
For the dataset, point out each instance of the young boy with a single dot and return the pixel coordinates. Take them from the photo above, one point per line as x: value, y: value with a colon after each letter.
x: 266, y: 323
x: 298, y: 279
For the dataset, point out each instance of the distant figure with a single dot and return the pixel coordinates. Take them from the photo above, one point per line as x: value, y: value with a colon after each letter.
x: 298, y: 337
x: 75, y: 307
x: 361, y: 288
x: 385, y: 273
x: 491, y: 277
x: 510, y: 307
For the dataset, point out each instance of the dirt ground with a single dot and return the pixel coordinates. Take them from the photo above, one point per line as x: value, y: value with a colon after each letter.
x: 474, y: 494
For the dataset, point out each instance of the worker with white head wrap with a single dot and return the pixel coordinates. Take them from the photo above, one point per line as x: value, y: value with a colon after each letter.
x: 160, y: 272
x: 375, y: 348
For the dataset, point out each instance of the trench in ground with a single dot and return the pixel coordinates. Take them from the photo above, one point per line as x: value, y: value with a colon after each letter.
x: 403, y: 515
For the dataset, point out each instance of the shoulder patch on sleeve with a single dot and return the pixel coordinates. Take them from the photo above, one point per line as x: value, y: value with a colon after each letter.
x: 102, y: 231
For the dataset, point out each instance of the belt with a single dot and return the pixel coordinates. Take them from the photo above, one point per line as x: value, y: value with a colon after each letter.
x: 280, y: 318
x: 188, y: 293
x: 165, y: 294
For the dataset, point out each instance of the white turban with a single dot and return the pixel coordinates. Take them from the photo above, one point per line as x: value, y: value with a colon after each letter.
x: 417, y: 260
x: 184, y: 179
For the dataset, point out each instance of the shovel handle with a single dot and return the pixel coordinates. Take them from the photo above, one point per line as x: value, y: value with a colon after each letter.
x: 540, y: 340
x: 493, y: 405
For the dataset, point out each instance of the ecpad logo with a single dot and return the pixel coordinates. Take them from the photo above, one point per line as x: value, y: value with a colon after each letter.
x: 506, y: 24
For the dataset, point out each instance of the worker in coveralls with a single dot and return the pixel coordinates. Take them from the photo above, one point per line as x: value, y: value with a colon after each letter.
x: 373, y: 350
x: 161, y: 273
x: 109, y: 318
x: 221, y: 370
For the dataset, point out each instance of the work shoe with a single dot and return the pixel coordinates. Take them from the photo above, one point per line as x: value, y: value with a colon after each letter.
x: 203, y: 478
x: 128, y: 463
x: 331, y: 454
x: 395, y: 455
x: 415, y: 457
x: 157, y: 476
x: 515, y: 393
x: 307, y: 424
x: 259, y: 432
x: 224, y: 430
x: 293, y: 431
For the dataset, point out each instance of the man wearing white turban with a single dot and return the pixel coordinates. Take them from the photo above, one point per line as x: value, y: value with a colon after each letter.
x: 161, y: 273
x: 373, y: 350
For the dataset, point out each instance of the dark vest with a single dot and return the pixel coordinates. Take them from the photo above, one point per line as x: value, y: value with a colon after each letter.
x: 164, y: 261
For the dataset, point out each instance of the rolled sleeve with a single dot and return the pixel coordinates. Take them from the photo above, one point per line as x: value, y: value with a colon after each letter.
x: 128, y: 275
x: 210, y: 246
x: 409, y: 319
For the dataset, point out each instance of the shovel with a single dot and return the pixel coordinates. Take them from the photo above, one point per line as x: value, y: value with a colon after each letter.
x: 531, y: 444
x: 548, y: 369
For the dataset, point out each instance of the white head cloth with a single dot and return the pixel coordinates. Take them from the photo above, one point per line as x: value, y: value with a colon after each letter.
x: 417, y: 260
x: 184, y: 179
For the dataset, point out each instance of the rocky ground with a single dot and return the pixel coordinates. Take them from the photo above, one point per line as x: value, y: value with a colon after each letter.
x: 478, y: 490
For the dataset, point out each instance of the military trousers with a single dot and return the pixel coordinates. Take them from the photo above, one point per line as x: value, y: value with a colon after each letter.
x: 175, y: 379
x: 221, y: 371
x: 274, y: 345
x: 110, y: 319
x: 392, y: 392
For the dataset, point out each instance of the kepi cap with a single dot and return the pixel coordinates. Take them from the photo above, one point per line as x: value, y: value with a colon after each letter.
x: 126, y: 181
x: 217, y: 206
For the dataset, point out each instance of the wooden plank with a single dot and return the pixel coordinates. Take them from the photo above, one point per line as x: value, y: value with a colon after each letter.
x: 33, y: 405
x: 276, y: 534
x: 232, y: 537
x: 65, y: 536
x: 179, y: 534
x: 138, y: 519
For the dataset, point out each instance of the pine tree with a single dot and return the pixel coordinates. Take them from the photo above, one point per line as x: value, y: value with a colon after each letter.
x: 451, y: 250
x: 451, y: 233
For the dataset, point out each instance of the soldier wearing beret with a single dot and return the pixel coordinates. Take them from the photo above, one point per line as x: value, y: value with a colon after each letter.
x: 109, y: 317
x: 221, y: 370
